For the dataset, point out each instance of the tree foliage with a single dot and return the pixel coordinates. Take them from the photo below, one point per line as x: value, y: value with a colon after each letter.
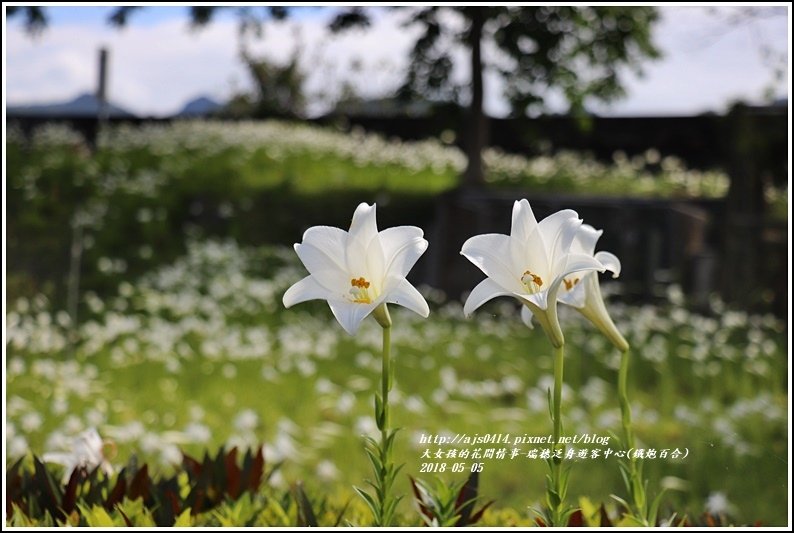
x: 278, y: 89
x: 579, y: 50
x: 539, y: 52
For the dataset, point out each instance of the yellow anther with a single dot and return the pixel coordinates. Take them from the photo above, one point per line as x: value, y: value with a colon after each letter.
x: 530, y: 277
x: 359, y: 291
x: 570, y: 284
x: 361, y: 283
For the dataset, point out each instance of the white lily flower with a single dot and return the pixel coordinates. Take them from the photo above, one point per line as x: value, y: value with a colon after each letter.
x: 87, y: 450
x: 529, y: 264
x: 584, y: 292
x: 357, y: 271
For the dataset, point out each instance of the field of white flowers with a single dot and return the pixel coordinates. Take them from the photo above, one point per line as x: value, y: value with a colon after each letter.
x: 650, y: 174
x: 199, y: 353
x: 182, y: 342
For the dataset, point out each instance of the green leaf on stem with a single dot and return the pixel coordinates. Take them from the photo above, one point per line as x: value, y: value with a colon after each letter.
x: 373, y: 506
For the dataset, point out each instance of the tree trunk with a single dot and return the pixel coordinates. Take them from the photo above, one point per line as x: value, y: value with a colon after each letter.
x: 745, y: 209
x: 474, y: 176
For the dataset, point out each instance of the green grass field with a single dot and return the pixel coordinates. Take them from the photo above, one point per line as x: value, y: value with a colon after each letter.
x: 201, y: 354
x: 183, y: 343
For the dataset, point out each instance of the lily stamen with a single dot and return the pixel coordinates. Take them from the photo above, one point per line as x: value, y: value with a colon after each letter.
x: 531, y: 278
x: 569, y: 285
x: 359, y: 291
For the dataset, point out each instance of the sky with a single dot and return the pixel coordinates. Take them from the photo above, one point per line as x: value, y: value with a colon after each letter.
x: 158, y: 63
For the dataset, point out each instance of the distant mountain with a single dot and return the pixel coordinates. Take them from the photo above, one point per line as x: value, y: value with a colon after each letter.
x: 200, y: 107
x: 85, y: 105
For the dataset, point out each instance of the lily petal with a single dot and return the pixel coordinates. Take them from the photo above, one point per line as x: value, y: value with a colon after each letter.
x: 526, y: 317
x: 486, y: 290
x: 540, y: 299
x: 363, y: 253
x: 402, y: 247
x: 570, y: 263
x: 586, y: 239
x: 547, y: 315
x: 566, y: 265
x: 576, y: 296
x: 364, y: 225
x: 304, y: 290
x: 491, y: 254
x: 527, y: 250
x: 329, y: 240
x: 551, y: 224
x: 610, y: 262
x: 561, y: 228
x: 530, y: 254
x: 596, y: 312
x: 524, y: 222
x: 407, y: 296
x: 351, y: 315
x: 375, y: 263
x: 325, y: 270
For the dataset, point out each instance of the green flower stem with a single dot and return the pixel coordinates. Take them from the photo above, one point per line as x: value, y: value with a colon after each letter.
x: 623, y: 398
x: 382, y: 504
x: 385, y: 480
x: 559, y: 360
x: 557, y: 483
x: 386, y: 380
x: 633, y: 472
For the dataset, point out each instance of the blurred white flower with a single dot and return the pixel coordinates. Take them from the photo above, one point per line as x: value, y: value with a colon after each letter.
x: 365, y: 425
x: 17, y: 446
x: 229, y: 371
x: 345, y: 402
x: 197, y: 432
x: 86, y: 450
x: 246, y: 420
x: 170, y: 455
x: 16, y: 366
x: 327, y: 471
x: 414, y: 404
x: 31, y: 421
x: 717, y: 504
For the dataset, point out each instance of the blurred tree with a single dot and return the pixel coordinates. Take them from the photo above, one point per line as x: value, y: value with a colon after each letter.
x: 279, y: 89
x: 250, y: 18
x: 576, y: 50
x: 35, y: 17
x: 539, y: 51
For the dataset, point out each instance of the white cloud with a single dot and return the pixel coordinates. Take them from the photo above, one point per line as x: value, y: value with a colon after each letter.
x: 154, y: 69
x: 706, y: 63
x: 372, y: 60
